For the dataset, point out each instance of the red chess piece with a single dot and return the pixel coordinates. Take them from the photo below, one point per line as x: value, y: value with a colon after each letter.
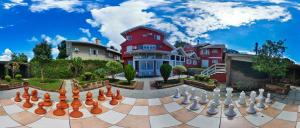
x: 34, y: 95
x: 119, y: 97
x: 76, y: 97
x: 40, y: 110
x: 113, y: 101
x: 106, y: 82
x: 96, y: 109
x: 27, y: 103
x: 59, y: 111
x: 101, y: 96
x: 26, y: 88
x: 89, y: 98
x: 62, y: 98
x: 109, y: 92
x: 18, y: 98
x: 76, y: 113
x: 47, y: 100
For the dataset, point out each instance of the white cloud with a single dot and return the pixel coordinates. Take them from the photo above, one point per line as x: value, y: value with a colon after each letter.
x: 85, y: 31
x: 54, y: 52
x: 67, y: 5
x: 84, y: 39
x: 14, y: 3
x: 54, y: 41
x: 33, y: 39
x: 6, y: 55
x: 247, y: 52
x: 92, y: 23
x: 116, y: 19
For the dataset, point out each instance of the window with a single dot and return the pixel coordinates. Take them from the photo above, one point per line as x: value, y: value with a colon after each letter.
x: 95, y: 52
x: 215, y: 51
x: 129, y: 48
x: 76, y: 50
x: 157, y: 37
x: 205, y: 52
x: 149, y: 47
x: 189, y: 61
x: 194, y: 62
x: 110, y: 54
x: 129, y: 37
x: 177, y: 58
x: 215, y: 61
x: 173, y: 57
x: 182, y: 58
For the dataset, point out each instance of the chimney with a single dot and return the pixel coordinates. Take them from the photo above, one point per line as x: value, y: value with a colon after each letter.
x: 97, y: 41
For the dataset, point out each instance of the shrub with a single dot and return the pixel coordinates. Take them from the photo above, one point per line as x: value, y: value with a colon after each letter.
x: 101, y: 72
x: 203, y: 78
x: 18, y: 76
x: 165, y: 71
x: 179, y: 69
x: 7, y: 78
x: 114, y: 67
x: 88, y: 76
x: 129, y: 73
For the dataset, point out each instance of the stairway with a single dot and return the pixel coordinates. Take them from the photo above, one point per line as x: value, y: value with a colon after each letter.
x: 216, y: 71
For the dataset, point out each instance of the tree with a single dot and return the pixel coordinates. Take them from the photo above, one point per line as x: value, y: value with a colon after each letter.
x: 15, y: 68
x: 76, y: 66
x: 129, y: 73
x: 62, y: 50
x: 42, y: 55
x: 20, y: 58
x: 180, y: 44
x: 114, y: 67
x: 179, y: 69
x: 165, y: 71
x: 101, y: 72
x: 269, y: 59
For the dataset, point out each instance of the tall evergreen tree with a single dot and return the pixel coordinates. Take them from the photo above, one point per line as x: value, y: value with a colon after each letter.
x: 42, y: 55
x: 62, y: 50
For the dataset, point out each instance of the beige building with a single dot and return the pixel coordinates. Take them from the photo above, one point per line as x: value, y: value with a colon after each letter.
x: 90, y: 51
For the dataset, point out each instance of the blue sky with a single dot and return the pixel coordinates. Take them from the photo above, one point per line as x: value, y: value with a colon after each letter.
x: 236, y: 23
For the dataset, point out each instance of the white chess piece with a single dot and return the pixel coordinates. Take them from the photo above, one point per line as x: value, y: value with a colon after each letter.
x: 212, y: 109
x: 269, y: 100
x: 216, y: 96
x: 203, y: 99
x: 252, y: 96
x: 261, y: 94
x: 251, y: 109
x: 177, y: 93
x: 228, y: 99
x: 195, y: 105
x: 193, y: 96
x: 186, y: 99
x: 242, y: 98
x: 261, y: 102
x: 230, y: 112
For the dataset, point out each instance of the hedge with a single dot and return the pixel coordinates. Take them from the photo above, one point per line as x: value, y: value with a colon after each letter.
x: 60, y: 69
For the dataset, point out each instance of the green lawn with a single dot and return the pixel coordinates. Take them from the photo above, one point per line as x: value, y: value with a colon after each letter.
x: 50, y: 84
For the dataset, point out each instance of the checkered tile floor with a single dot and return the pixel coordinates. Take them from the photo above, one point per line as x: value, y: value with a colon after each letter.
x: 146, y: 113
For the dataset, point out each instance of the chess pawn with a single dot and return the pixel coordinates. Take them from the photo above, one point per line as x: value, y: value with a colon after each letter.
x: 177, y: 93
x: 59, y: 111
x: 18, y: 98
x: 96, y: 109
x: 113, y: 101
x: 109, y: 92
x: 251, y: 109
x: 27, y: 103
x: 212, y: 109
x: 216, y: 96
x: 252, y: 96
x: 186, y: 99
x: 26, y: 89
x: 228, y: 99
x: 34, y: 95
x: 269, y: 100
x: 242, y: 98
x: 203, y: 99
x: 230, y: 112
x: 47, y: 100
x: 195, y: 105
x: 89, y: 98
x: 40, y: 110
x: 261, y: 104
x: 193, y: 96
x: 119, y: 96
x: 76, y: 113
x: 101, y: 96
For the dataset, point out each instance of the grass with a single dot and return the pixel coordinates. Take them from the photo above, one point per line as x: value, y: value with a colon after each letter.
x: 49, y: 84
x: 13, y: 81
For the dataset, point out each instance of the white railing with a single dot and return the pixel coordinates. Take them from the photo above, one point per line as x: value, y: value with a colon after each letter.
x: 216, y: 68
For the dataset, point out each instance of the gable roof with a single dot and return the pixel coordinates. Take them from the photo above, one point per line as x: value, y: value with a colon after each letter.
x: 142, y: 27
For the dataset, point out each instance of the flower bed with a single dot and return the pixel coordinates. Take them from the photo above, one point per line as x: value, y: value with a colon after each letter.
x: 199, y: 84
x: 4, y: 85
x: 88, y: 85
x: 170, y: 83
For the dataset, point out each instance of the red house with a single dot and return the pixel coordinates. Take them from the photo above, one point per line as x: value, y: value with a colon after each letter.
x: 204, y: 55
x: 146, y: 49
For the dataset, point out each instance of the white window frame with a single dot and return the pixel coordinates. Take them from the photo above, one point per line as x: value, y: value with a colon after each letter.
x: 157, y: 37
x: 215, y: 61
x: 129, y: 48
